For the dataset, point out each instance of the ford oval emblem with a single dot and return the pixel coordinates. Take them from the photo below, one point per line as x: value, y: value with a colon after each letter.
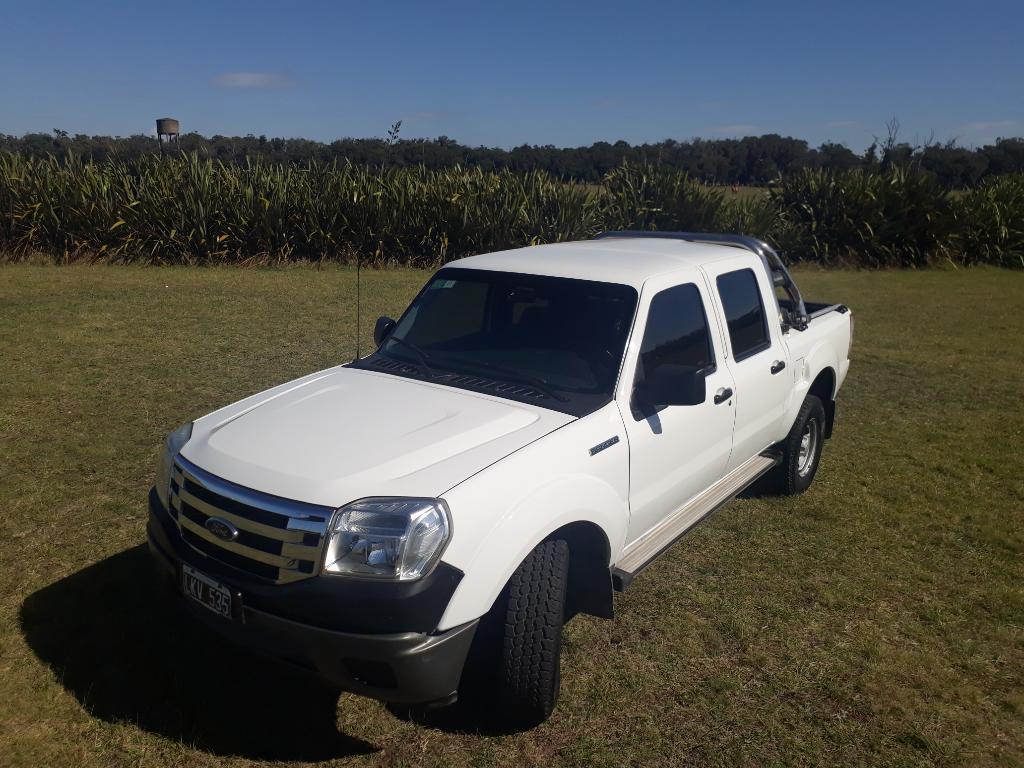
x: 221, y: 528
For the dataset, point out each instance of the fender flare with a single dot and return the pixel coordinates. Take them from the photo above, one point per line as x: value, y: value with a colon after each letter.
x: 571, y: 500
x: 820, y: 360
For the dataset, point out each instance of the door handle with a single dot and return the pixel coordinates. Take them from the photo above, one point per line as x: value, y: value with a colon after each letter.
x: 777, y: 366
x: 723, y: 394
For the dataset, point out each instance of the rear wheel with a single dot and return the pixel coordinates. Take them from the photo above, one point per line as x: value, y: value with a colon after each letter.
x: 802, y: 448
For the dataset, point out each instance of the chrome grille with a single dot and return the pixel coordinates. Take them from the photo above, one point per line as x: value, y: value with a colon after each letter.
x: 278, y: 540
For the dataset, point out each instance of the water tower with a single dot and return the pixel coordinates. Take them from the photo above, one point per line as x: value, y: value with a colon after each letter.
x: 167, y: 127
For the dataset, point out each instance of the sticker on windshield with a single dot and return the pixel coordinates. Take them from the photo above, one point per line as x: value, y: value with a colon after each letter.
x: 443, y: 284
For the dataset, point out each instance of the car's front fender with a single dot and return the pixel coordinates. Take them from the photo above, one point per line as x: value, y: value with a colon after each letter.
x: 502, y: 513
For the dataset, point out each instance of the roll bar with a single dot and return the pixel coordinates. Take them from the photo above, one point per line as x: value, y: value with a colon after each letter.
x: 780, y: 276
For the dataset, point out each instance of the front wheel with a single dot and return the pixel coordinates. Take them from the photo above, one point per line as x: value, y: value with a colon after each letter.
x: 522, y: 636
x: 802, y: 448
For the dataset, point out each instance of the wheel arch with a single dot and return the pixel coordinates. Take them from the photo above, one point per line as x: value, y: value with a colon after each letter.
x: 590, y: 584
x: 591, y: 528
x: 824, y: 388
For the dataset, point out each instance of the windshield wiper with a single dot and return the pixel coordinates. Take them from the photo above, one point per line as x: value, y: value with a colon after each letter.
x: 523, y: 378
x: 421, y: 356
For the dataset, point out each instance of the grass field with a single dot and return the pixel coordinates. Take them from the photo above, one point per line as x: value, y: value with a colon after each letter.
x: 876, y: 620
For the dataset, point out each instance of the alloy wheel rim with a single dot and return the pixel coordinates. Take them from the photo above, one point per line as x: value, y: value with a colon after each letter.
x: 808, y: 446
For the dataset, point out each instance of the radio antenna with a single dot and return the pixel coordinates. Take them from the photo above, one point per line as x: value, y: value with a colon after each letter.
x: 393, y: 134
x: 392, y: 137
x: 358, y: 260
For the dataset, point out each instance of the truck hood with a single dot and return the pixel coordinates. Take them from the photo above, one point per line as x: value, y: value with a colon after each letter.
x: 347, y: 433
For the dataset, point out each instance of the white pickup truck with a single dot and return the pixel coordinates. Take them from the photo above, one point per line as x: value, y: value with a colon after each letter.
x: 537, y: 427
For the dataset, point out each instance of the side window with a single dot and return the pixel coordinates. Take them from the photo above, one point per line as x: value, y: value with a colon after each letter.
x: 744, y: 313
x: 677, y: 330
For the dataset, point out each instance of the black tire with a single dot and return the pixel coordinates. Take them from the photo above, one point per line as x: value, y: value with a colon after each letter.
x: 798, y: 468
x: 526, y: 643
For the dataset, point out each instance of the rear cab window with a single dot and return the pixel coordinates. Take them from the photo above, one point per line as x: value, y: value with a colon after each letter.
x: 744, y: 313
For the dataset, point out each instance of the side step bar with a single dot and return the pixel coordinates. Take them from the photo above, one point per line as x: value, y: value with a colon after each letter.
x: 653, y: 543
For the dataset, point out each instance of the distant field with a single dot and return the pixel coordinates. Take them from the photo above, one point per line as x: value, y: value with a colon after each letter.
x: 876, y: 620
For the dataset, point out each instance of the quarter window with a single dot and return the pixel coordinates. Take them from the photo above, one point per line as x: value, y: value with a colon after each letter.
x: 744, y: 313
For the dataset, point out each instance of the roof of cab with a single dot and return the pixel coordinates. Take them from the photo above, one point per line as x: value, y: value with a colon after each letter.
x: 626, y: 260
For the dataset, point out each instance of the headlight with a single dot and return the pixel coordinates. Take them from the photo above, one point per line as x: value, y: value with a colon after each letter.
x: 388, y: 538
x: 174, y: 443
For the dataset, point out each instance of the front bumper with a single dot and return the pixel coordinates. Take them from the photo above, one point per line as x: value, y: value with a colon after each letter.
x: 411, y: 667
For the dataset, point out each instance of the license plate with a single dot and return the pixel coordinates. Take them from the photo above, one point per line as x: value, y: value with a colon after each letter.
x: 206, y: 591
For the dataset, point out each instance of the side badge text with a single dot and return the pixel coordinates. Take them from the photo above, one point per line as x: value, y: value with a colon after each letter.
x: 606, y: 444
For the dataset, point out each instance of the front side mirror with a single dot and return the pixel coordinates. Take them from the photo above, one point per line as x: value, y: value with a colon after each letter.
x: 669, y: 384
x: 385, y: 325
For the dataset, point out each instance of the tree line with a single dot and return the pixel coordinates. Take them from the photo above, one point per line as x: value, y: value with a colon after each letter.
x: 753, y: 160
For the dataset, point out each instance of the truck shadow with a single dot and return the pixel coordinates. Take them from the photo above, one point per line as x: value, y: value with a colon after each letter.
x: 473, y: 718
x: 111, y: 638
x: 766, y: 486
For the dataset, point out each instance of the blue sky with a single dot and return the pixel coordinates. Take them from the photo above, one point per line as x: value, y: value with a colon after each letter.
x: 503, y: 74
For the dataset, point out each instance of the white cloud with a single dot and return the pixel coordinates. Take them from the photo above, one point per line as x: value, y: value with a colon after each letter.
x: 989, y: 126
x: 738, y: 129
x: 265, y: 81
x: 986, y: 131
x: 421, y: 117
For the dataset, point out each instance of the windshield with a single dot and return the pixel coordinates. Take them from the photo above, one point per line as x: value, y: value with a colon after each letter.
x: 554, y: 341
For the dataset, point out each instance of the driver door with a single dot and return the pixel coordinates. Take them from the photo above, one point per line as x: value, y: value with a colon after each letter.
x: 677, y: 451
